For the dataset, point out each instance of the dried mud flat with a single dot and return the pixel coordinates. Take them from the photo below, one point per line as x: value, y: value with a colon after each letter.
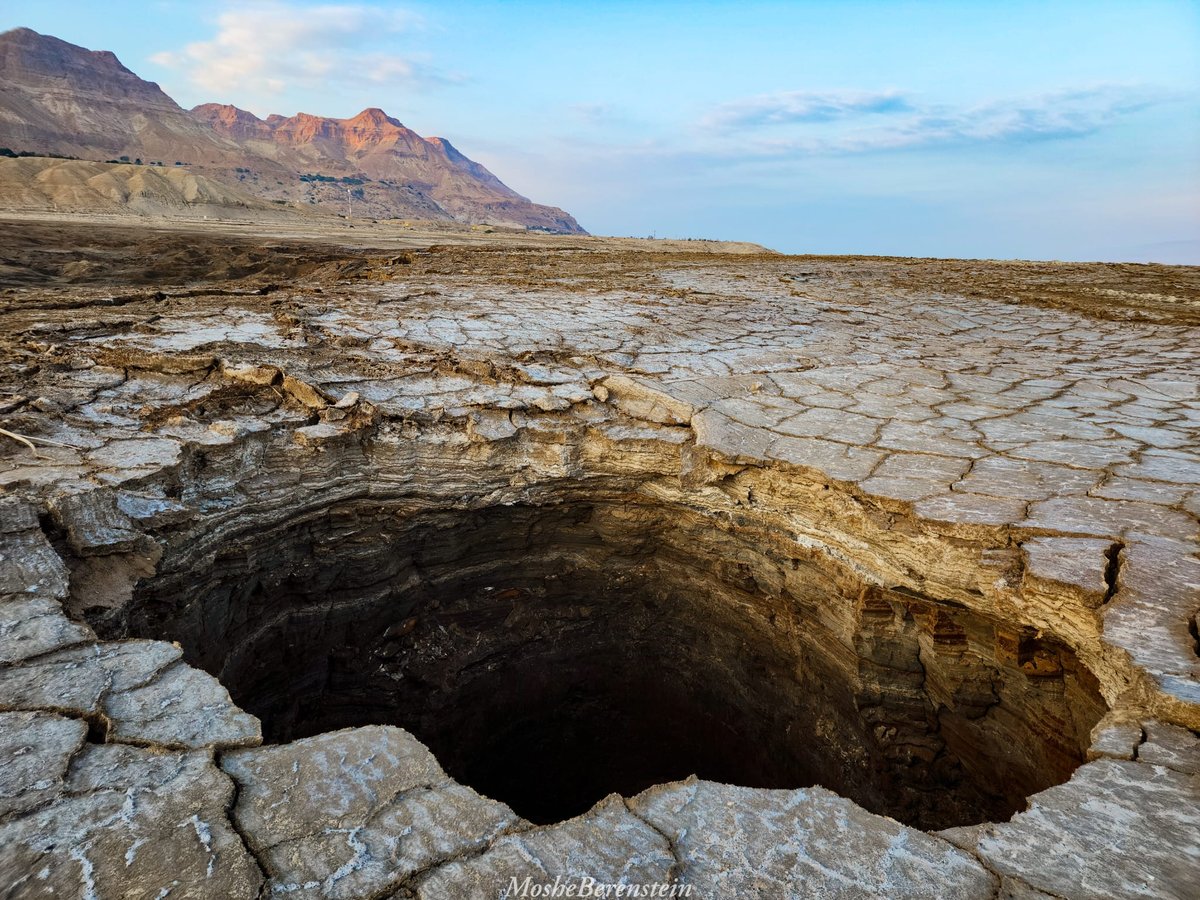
x: 358, y: 567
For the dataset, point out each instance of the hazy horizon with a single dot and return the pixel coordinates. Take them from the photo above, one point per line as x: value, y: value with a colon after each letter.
x: 924, y: 129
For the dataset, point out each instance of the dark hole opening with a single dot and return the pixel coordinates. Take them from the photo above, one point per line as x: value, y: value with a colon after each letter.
x: 550, y: 655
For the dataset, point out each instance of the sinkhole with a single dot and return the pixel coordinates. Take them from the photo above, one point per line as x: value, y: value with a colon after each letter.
x: 554, y: 652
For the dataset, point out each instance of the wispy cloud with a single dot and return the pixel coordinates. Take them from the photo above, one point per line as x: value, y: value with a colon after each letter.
x: 803, y: 106
x: 593, y: 113
x: 858, y: 125
x: 602, y: 164
x: 267, y: 47
x: 1050, y: 116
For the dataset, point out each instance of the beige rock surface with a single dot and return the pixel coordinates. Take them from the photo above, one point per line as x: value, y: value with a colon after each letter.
x: 120, y: 821
x: 807, y: 843
x: 1143, y: 845
x: 608, y: 845
x: 356, y: 813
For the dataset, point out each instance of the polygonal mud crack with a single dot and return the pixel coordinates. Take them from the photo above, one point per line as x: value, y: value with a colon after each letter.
x: 590, y: 529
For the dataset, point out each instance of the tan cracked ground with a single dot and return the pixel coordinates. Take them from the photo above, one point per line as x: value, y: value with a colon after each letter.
x: 951, y: 467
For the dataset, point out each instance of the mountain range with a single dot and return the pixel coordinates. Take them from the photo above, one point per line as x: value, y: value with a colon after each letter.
x: 61, y: 99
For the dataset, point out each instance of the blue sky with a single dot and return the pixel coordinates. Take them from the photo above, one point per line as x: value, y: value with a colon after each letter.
x: 1051, y: 130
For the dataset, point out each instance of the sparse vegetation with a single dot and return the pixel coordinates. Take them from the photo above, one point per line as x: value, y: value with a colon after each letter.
x: 22, y: 154
x: 312, y: 177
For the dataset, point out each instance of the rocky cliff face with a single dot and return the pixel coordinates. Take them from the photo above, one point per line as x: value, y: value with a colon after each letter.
x: 61, y: 98
x: 375, y: 148
x: 57, y: 97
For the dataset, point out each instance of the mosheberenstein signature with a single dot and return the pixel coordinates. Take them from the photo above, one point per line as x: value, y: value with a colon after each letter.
x: 586, y: 886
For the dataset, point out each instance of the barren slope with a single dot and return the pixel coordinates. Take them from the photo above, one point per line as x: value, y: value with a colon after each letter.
x: 392, y: 168
x: 59, y: 98
x: 37, y: 183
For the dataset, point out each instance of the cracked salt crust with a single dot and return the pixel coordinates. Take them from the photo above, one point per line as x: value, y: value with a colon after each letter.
x: 1026, y: 426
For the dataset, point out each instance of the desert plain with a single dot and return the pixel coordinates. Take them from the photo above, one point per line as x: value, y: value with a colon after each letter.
x: 404, y: 561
